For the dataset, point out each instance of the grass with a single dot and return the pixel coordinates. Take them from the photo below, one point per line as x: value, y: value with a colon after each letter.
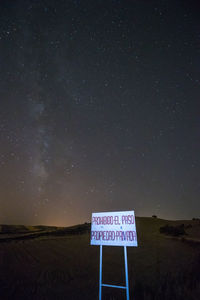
x: 61, y: 264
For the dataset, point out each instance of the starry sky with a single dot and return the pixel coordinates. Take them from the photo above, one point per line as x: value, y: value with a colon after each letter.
x: 100, y: 109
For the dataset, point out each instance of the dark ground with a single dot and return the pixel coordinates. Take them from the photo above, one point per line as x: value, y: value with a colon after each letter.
x: 61, y: 264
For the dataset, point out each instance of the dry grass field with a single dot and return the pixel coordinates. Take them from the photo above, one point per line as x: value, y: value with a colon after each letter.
x: 59, y: 263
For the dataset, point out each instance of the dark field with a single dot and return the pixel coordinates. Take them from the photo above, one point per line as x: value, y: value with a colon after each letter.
x: 59, y: 263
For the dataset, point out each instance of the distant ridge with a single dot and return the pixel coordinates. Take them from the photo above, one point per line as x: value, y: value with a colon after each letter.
x: 145, y: 226
x: 4, y: 228
x: 22, y: 232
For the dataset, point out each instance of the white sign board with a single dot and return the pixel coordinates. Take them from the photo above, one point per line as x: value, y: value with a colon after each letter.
x: 114, y: 229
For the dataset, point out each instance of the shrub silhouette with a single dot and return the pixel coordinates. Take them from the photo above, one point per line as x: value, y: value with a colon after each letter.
x: 173, y: 230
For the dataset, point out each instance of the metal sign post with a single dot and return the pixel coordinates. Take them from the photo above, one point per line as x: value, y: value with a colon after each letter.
x: 126, y: 272
x: 111, y: 285
x: 100, y: 272
x: 114, y: 229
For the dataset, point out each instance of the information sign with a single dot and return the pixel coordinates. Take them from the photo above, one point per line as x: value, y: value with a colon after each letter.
x: 114, y: 229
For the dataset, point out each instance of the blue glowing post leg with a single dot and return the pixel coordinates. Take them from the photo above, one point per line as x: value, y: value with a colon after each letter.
x: 100, y: 273
x: 126, y: 273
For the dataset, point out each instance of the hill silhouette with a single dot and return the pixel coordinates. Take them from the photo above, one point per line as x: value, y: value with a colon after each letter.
x: 45, y: 262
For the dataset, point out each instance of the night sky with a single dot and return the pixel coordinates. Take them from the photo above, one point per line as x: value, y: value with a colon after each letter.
x: 100, y: 109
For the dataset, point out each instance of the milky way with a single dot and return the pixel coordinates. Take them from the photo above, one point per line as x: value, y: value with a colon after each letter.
x: 99, y: 109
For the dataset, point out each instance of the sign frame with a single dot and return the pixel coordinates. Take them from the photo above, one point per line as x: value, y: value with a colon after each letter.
x: 133, y: 244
